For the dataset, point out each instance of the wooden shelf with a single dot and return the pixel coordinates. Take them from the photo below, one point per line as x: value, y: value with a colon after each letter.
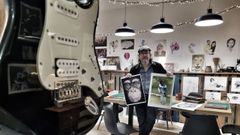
x: 206, y: 73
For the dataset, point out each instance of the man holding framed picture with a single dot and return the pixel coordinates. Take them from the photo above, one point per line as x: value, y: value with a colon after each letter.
x: 146, y: 115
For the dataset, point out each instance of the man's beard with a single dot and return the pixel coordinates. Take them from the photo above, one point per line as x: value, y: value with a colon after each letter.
x: 145, y: 61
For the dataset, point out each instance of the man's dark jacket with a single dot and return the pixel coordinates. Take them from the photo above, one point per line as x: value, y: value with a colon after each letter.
x: 157, y: 68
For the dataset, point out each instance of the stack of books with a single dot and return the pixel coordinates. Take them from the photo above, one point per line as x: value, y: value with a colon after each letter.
x: 217, y: 105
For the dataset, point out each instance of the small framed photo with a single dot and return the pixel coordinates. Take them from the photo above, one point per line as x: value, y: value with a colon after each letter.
x: 211, y: 95
x: 114, y: 61
x: 215, y: 83
x: 100, y: 41
x: 132, y: 89
x: 101, y: 52
x: 160, y: 91
x: 235, y: 85
x: 190, y: 84
x: 233, y: 98
x: 22, y: 78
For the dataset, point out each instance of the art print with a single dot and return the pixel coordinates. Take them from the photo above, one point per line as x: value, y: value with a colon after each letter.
x: 190, y: 84
x: 233, y: 98
x: 22, y: 78
x: 210, y: 47
x: 215, y: 83
x: 160, y: 46
x: 127, y: 44
x: 133, y: 91
x: 235, y: 85
x: 101, y: 52
x: 197, y: 63
x: 169, y: 67
x: 209, y: 95
x: 100, y: 41
x: 160, y: 91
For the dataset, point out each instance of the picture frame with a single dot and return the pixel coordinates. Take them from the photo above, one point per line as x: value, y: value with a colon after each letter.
x: 127, y: 44
x: 233, y: 98
x: 22, y: 78
x: 215, y: 83
x: 189, y: 84
x: 235, y: 84
x: 101, y: 52
x: 100, y: 41
x: 213, y: 95
x: 161, y: 90
x: 198, y: 62
x: 133, y: 90
x: 113, y: 61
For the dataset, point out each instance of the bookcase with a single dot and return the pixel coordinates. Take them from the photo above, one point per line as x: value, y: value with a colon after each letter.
x: 228, y: 75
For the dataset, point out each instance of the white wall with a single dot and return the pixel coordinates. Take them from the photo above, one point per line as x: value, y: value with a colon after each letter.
x: 143, y: 17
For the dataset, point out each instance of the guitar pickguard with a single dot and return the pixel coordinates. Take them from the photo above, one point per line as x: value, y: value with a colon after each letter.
x: 66, y: 49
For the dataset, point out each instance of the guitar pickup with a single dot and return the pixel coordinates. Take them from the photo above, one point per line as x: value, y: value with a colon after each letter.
x: 67, y: 67
x: 66, y: 40
x: 70, y: 10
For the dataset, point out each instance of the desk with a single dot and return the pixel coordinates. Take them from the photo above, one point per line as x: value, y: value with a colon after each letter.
x: 199, y: 110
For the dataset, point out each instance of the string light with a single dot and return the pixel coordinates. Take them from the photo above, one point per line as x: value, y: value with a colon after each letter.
x: 156, y: 4
x: 226, y: 10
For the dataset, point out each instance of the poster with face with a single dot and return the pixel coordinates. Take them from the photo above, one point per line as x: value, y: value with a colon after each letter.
x: 160, y: 91
x: 231, y: 43
x: 133, y: 91
x: 197, y: 63
x: 160, y: 46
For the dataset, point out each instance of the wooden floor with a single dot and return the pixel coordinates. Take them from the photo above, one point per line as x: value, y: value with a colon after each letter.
x: 159, y: 128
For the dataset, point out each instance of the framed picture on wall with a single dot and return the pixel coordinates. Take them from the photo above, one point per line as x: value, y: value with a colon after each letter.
x: 115, y: 60
x: 189, y: 84
x: 160, y: 91
x: 198, y: 63
x: 215, y: 83
x: 169, y: 67
x: 127, y: 44
x: 235, y: 85
x: 100, y: 41
x: 22, y: 78
x: 133, y: 91
x: 101, y: 52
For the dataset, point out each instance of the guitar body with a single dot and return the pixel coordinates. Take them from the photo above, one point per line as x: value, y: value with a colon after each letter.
x: 50, y: 79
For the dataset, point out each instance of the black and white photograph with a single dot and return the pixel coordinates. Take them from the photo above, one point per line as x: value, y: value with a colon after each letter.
x: 215, y: 83
x: 132, y: 88
x: 100, y: 41
x: 127, y: 44
x: 160, y: 91
x: 235, y: 85
x: 101, y: 52
x: 22, y: 78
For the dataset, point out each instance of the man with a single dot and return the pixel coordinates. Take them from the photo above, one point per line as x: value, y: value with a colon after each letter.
x: 146, y: 115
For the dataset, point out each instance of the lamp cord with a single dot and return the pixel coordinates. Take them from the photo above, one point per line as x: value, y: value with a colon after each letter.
x: 162, y: 8
x: 125, y: 3
x: 209, y: 4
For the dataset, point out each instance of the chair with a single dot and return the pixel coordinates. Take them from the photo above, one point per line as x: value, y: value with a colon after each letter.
x: 113, y: 125
x: 120, y: 109
x: 200, y: 125
x: 166, y: 115
x: 231, y: 128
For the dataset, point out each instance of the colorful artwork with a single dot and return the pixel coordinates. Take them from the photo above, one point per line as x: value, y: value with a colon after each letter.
x: 174, y: 47
x: 215, y: 83
x: 132, y: 88
x: 190, y: 84
x: 160, y: 91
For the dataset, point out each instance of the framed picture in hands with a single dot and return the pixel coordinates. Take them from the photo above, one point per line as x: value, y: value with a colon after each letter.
x: 132, y: 88
x: 160, y: 91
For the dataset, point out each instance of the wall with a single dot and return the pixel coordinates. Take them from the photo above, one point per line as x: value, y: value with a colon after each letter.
x: 143, y: 17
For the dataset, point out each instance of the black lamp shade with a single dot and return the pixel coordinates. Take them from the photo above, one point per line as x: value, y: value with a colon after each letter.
x: 125, y: 31
x: 209, y: 19
x: 162, y: 27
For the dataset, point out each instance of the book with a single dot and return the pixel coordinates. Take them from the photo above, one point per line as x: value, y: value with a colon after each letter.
x: 186, y: 106
x: 217, y: 105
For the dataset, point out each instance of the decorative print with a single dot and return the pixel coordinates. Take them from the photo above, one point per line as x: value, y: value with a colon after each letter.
x: 132, y: 88
x: 100, y: 41
x: 169, y: 67
x: 231, y: 43
x: 190, y: 84
x: 101, y: 52
x: 127, y: 44
x: 235, y: 85
x: 22, y: 78
x: 114, y: 61
x: 215, y: 83
x: 186, y: 106
x: 210, y: 47
x: 113, y: 45
x: 212, y: 95
x: 126, y: 55
x: 174, y: 47
x: 197, y: 63
x: 191, y: 47
x: 160, y: 48
x: 161, y: 89
x: 233, y: 98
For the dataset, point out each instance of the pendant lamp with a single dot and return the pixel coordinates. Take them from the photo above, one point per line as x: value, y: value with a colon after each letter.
x: 162, y: 27
x: 125, y: 31
x: 210, y: 19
